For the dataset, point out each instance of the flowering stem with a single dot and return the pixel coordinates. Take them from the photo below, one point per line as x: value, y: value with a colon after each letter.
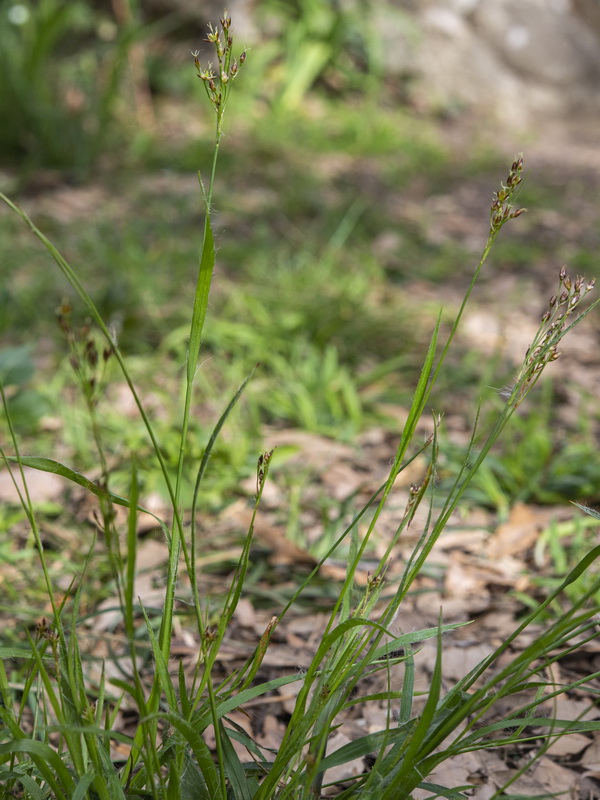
x: 217, y: 88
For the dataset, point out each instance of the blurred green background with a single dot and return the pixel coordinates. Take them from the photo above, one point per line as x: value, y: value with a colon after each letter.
x: 348, y: 209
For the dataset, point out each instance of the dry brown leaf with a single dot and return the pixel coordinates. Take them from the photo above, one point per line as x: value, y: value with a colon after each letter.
x: 465, y: 539
x: 551, y: 778
x: 272, y: 497
x: 341, y: 481
x: 339, y: 573
x: 150, y: 554
x: 591, y: 758
x: 568, y: 745
x: 315, y: 451
x: 272, y: 733
x: 463, y: 578
x: 245, y: 614
x: 452, y: 773
x: 342, y: 772
x: 245, y: 723
x: 454, y: 609
x: 456, y: 661
x: 294, y: 658
x: 283, y: 551
x: 43, y: 487
x: 413, y: 473
x: 517, y: 535
x: 571, y: 709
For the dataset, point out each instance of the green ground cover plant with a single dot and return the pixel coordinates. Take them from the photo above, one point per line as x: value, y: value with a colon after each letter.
x: 531, y: 466
x: 562, y: 544
x: 320, y: 37
x: 62, y: 108
x: 58, y: 723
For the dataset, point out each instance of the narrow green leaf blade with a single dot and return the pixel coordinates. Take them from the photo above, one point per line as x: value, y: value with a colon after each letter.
x: 26, y: 780
x: 233, y: 768
x: 56, y: 468
x: 47, y: 761
x: 207, y: 263
x: 84, y: 784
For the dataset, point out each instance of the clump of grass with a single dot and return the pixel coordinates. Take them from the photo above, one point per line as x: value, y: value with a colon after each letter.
x: 58, y: 724
x: 60, y: 108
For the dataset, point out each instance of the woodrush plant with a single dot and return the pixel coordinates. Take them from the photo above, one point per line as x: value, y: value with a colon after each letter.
x: 62, y: 749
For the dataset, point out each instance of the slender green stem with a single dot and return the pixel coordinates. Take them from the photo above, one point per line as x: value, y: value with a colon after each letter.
x: 192, y: 357
x: 27, y: 505
x: 198, y: 316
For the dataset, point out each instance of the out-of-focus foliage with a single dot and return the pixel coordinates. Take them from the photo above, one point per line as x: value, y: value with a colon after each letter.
x: 61, y: 80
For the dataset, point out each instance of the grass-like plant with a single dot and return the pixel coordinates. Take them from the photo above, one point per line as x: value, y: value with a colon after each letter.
x: 58, y: 724
x: 59, y: 111
x: 317, y: 37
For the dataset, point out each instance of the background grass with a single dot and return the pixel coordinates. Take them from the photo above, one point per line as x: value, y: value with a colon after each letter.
x: 342, y: 216
x: 341, y: 220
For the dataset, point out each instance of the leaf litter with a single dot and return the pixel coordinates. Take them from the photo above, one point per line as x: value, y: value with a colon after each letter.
x: 473, y: 573
x: 477, y: 572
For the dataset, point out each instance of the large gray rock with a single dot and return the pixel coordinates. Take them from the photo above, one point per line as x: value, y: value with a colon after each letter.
x: 544, y: 43
x: 517, y: 58
x: 589, y: 12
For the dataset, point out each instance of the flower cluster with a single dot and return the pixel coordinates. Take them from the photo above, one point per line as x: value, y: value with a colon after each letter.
x: 262, y: 470
x: 502, y: 208
x: 87, y: 360
x: 218, y: 80
x: 544, y: 347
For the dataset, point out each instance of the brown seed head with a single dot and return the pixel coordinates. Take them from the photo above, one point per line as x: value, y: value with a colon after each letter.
x: 91, y: 354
